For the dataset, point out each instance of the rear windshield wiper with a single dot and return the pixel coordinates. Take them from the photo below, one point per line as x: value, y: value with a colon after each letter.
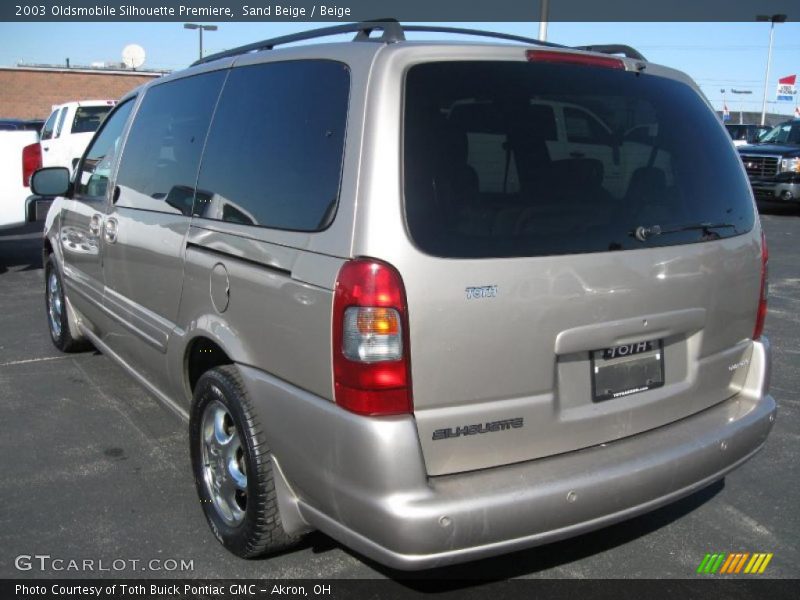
x: 642, y: 233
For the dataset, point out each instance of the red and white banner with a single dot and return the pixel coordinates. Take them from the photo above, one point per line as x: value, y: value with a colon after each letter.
x: 786, y: 88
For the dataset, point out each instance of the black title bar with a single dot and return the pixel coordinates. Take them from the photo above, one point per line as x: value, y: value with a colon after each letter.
x: 404, y: 10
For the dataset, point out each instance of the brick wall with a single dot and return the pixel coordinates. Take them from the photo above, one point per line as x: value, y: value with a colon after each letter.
x: 31, y: 93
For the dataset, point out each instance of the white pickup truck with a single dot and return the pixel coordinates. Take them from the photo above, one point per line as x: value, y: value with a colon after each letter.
x: 69, y: 129
x: 63, y: 139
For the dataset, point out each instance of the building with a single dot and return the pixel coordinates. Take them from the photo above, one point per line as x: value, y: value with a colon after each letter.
x: 770, y: 119
x: 30, y: 91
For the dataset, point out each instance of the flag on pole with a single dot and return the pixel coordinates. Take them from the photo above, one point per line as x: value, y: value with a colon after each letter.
x: 726, y: 114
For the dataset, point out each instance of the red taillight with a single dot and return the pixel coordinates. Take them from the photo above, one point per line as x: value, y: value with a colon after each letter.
x: 607, y: 62
x: 371, y: 367
x: 31, y: 160
x: 761, y: 315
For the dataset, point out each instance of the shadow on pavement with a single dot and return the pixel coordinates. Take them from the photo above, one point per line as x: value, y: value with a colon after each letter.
x: 21, y: 247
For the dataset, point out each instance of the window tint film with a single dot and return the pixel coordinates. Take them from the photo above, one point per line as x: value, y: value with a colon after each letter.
x: 522, y: 159
x: 88, y: 118
x: 95, y: 170
x: 162, y: 152
x: 274, y: 152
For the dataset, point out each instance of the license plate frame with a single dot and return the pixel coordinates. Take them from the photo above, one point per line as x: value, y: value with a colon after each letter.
x: 627, y: 369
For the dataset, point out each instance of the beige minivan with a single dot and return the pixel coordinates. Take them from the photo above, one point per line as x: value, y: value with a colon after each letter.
x: 439, y: 300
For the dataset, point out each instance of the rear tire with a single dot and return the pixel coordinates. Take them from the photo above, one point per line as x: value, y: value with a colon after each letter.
x: 232, y: 467
x: 56, y: 306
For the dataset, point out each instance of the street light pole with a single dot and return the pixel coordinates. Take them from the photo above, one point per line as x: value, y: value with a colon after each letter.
x: 772, y: 20
x: 200, y: 28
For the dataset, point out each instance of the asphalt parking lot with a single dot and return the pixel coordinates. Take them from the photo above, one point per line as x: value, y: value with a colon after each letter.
x: 93, y: 467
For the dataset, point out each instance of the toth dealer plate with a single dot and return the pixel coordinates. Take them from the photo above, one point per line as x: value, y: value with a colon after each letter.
x: 627, y: 369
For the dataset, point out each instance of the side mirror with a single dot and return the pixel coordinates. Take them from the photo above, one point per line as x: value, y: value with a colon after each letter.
x: 50, y: 181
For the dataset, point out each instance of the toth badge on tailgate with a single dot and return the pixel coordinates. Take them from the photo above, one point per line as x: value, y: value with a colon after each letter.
x: 483, y: 291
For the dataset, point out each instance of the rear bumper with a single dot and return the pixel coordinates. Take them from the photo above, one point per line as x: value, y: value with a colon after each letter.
x: 363, y: 481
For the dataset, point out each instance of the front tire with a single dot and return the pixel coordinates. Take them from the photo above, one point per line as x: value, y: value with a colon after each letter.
x: 56, y: 307
x: 232, y: 467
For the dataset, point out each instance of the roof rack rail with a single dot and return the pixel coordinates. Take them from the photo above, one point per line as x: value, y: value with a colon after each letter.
x: 626, y: 51
x: 392, y: 31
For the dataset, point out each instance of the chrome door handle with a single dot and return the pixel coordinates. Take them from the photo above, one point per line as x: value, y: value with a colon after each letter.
x: 96, y: 224
x: 111, y: 230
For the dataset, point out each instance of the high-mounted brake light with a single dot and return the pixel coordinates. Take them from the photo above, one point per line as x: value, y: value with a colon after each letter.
x: 607, y: 62
x: 371, y: 366
x: 761, y: 315
x: 31, y: 160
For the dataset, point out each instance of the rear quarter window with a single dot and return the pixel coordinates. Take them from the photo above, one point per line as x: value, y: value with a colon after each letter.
x: 507, y: 159
x: 275, y: 149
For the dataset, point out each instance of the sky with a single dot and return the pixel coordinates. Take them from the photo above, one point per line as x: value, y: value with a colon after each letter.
x: 716, y: 55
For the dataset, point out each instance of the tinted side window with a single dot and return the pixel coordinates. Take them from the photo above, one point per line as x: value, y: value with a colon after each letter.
x: 47, y: 130
x: 162, y: 152
x: 274, y: 152
x: 92, y: 179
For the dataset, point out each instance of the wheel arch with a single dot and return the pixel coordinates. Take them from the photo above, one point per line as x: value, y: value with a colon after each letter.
x: 202, y: 354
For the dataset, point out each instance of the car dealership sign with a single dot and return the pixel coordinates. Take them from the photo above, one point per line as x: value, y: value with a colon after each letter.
x: 786, y: 88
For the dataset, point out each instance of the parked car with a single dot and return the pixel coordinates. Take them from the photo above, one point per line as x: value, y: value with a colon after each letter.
x: 68, y: 130
x: 773, y: 164
x: 743, y: 134
x: 409, y: 324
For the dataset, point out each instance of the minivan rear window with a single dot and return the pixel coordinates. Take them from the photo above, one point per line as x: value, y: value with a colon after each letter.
x: 506, y: 159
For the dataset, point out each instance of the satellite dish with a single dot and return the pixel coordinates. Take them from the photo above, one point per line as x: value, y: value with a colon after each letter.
x: 133, y: 56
